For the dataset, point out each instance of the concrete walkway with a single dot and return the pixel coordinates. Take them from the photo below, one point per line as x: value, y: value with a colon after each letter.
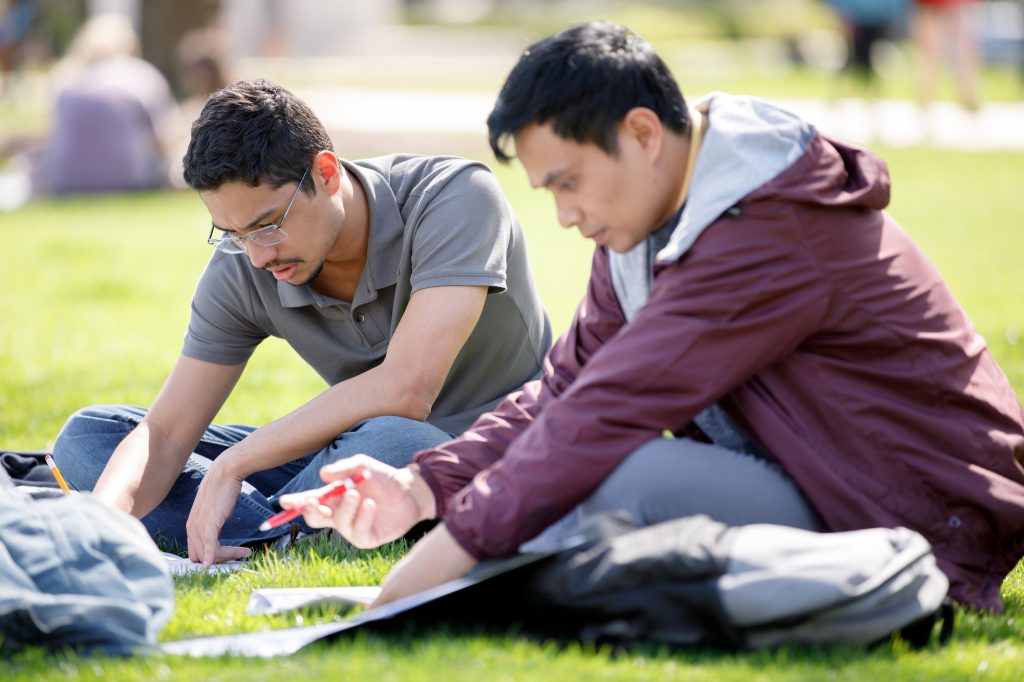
x: 371, y: 121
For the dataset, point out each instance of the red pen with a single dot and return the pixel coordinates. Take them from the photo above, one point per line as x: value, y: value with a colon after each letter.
x: 336, y: 488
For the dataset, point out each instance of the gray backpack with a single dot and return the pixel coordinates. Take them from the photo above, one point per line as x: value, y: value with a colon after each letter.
x: 695, y: 581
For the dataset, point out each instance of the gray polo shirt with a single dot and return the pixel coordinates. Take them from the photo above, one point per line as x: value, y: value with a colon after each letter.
x: 434, y: 221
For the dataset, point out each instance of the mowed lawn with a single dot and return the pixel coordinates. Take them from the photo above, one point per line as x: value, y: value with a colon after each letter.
x: 93, y: 310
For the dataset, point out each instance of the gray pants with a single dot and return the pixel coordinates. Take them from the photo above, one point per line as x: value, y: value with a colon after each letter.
x: 670, y: 479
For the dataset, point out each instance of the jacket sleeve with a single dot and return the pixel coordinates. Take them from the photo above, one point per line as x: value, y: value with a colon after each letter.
x: 450, y: 467
x: 744, y: 297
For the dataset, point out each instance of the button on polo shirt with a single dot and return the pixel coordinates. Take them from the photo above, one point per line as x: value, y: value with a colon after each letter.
x: 434, y: 221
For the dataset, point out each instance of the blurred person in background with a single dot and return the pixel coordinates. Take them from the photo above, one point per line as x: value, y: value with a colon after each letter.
x: 865, y: 24
x: 942, y: 26
x: 201, y: 68
x: 201, y: 71
x: 16, y: 20
x: 111, y: 117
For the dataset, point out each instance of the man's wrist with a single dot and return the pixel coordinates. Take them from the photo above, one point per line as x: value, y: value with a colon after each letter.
x: 229, y: 464
x: 420, y: 492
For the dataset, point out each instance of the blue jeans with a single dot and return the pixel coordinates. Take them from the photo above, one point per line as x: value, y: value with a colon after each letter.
x: 90, y: 436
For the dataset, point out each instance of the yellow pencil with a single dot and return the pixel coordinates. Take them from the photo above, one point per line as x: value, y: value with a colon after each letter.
x: 56, y: 474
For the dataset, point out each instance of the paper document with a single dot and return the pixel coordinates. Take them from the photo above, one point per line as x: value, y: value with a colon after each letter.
x: 255, y: 644
x: 273, y: 600
x: 181, y: 565
x: 463, y: 596
x: 287, y: 641
x: 40, y: 493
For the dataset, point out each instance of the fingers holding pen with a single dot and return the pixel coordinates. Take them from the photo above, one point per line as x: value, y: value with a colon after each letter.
x: 356, y: 465
x: 355, y: 518
x: 317, y: 512
x: 351, y: 514
x: 293, y: 500
x: 378, y: 505
x: 363, y: 533
x: 334, y: 512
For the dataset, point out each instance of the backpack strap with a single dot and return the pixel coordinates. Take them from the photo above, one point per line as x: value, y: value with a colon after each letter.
x: 919, y: 633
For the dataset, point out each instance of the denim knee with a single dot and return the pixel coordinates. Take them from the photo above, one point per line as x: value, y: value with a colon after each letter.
x: 390, y: 423
x: 88, y: 439
x: 392, y: 440
x: 99, y: 419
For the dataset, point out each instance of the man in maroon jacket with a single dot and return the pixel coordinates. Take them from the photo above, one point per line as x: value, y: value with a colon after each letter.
x: 750, y: 297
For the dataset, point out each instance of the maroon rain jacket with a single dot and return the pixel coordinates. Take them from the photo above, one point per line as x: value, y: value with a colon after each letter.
x: 812, y: 318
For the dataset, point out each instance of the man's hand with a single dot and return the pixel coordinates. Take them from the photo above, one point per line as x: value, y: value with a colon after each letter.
x: 214, y: 503
x: 382, y: 508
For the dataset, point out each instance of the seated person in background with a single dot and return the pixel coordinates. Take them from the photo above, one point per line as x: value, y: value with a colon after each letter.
x: 113, y: 110
x: 402, y: 280
x: 750, y: 296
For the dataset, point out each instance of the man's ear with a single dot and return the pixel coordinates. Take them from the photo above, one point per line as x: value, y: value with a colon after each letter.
x: 644, y: 127
x: 328, y: 169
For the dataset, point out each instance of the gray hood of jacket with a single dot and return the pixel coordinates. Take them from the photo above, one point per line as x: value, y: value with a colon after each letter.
x: 747, y: 143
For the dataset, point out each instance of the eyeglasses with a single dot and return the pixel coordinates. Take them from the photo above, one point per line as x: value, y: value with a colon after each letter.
x: 268, y: 235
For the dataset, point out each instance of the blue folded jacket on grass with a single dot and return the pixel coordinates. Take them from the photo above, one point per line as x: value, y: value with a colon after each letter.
x: 75, y: 574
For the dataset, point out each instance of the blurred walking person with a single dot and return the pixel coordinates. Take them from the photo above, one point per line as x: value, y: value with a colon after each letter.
x: 865, y: 24
x: 942, y: 24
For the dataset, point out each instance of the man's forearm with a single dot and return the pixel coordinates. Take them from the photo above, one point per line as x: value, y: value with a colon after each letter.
x: 432, y: 332
x: 314, y: 425
x: 434, y: 560
x: 140, y: 473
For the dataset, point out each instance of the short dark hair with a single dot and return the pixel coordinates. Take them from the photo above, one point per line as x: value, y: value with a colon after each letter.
x: 584, y: 80
x: 254, y: 131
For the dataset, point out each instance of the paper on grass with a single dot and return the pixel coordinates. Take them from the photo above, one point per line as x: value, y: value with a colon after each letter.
x: 287, y: 641
x: 283, y: 642
x: 181, y: 565
x: 265, y: 644
x: 271, y: 600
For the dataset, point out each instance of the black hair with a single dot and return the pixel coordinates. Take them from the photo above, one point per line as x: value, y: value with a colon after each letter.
x: 254, y: 131
x: 584, y: 80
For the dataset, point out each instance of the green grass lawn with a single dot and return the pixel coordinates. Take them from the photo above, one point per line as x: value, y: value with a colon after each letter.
x: 94, y: 310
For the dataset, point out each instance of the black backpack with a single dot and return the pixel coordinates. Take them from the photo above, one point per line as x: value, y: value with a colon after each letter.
x: 27, y: 467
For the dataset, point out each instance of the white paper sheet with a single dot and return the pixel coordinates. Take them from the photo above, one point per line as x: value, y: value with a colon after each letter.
x: 271, y: 600
x: 287, y: 641
x: 181, y: 565
x: 265, y: 644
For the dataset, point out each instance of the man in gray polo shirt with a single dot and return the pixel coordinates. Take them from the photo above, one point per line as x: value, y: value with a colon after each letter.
x: 402, y: 280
